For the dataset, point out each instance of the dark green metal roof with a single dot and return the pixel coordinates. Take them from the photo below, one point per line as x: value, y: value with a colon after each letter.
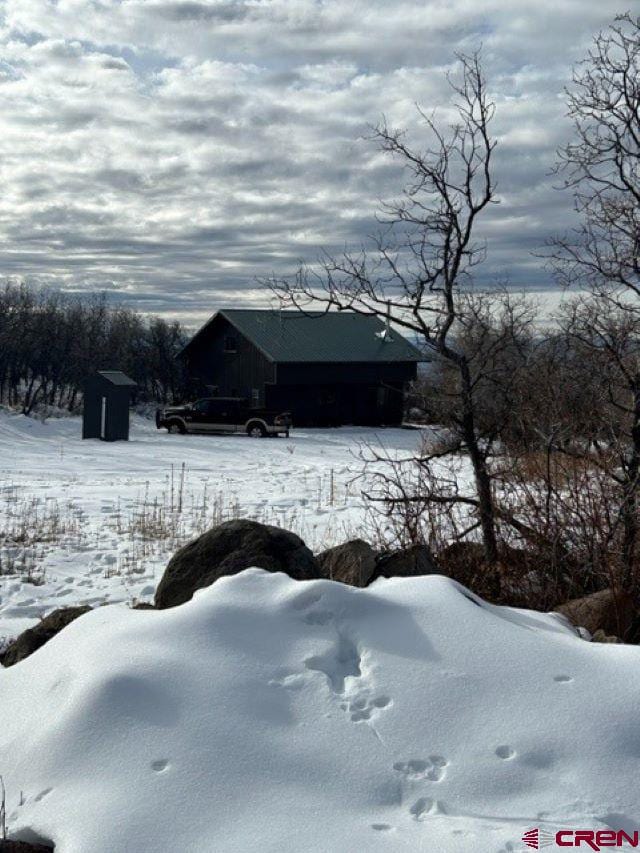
x: 117, y: 377
x: 340, y: 336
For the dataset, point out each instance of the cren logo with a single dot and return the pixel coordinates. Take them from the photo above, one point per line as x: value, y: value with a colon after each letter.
x: 591, y: 839
x: 538, y: 838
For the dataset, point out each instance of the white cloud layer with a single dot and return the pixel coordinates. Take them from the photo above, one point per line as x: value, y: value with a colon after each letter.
x: 173, y: 150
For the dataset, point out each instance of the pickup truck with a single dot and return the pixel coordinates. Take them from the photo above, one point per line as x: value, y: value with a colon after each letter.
x: 223, y: 415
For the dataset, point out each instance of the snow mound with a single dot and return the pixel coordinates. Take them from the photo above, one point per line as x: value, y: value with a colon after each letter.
x: 275, y: 715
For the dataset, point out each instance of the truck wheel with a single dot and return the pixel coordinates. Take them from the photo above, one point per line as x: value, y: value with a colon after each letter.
x: 176, y: 427
x: 256, y: 430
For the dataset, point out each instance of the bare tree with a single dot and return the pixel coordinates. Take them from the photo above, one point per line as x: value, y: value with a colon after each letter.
x: 418, y: 273
x: 601, y: 167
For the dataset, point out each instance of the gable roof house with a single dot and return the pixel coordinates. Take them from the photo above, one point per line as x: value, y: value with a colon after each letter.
x: 327, y: 369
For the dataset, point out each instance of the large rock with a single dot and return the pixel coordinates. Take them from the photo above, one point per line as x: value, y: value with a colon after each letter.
x: 8, y: 846
x: 613, y: 614
x: 31, y: 639
x: 228, y: 549
x: 353, y: 562
x: 409, y: 562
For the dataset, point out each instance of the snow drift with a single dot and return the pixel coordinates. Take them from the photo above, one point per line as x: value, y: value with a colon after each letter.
x: 275, y: 715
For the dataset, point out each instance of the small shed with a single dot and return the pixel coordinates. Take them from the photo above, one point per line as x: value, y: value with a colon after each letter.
x: 107, y: 395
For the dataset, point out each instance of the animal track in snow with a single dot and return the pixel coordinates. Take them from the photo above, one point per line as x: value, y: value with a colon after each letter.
x: 563, y: 679
x: 417, y: 769
x: 381, y: 827
x: 424, y: 807
x: 362, y: 707
x: 505, y: 752
x: 338, y: 664
x: 341, y: 662
x: 160, y: 765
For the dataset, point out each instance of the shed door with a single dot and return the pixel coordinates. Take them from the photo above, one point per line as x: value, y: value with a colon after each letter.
x: 103, y: 419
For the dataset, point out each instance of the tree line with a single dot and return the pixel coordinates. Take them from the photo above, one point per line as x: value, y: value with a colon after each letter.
x: 50, y: 342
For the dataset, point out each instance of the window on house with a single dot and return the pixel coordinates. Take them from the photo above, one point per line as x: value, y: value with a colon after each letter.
x: 255, y: 396
x: 230, y: 344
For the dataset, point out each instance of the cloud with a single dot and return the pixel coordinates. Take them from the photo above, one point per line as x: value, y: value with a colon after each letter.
x: 172, y: 151
x: 191, y: 11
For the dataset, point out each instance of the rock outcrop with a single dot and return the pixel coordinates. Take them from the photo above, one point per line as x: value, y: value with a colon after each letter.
x: 33, y: 638
x: 352, y: 562
x: 228, y: 549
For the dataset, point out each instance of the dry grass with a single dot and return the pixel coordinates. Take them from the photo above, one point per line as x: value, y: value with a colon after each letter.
x: 162, y: 523
x: 23, y: 562
x: 159, y: 521
x: 28, y: 526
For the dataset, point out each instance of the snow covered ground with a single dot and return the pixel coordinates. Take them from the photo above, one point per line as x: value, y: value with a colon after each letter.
x: 96, y: 522
x: 275, y: 716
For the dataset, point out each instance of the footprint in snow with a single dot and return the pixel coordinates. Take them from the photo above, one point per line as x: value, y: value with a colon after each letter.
x: 562, y: 679
x: 505, y: 752
x: 424, y: 807
x: 416, y: 769
x: 160, y: 765
x: 337, y: 664
x: 363, y: 708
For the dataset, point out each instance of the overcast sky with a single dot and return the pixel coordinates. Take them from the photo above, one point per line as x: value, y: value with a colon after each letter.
x: 170, y: 151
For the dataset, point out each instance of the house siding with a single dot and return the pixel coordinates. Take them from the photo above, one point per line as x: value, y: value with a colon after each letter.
x: 231, y: 374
